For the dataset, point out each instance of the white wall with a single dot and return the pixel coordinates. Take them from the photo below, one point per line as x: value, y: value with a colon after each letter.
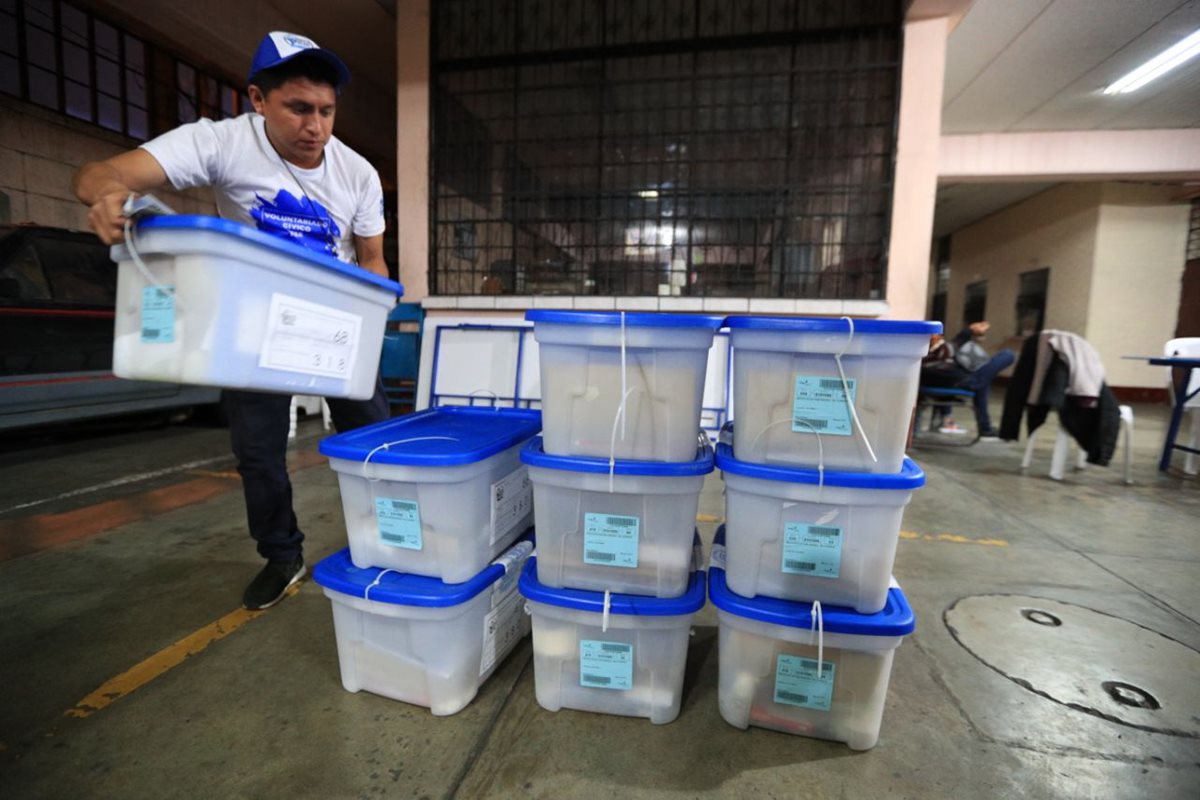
x: 1055, y: 229
x: 1140, y: 253
x: 1115, y: 252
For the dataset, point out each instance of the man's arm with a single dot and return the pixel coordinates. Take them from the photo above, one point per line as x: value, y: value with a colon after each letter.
x: 369, y: 250
x: 104, y: 185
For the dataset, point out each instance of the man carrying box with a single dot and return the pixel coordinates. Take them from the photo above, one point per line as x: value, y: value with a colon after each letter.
x: 281, y: 170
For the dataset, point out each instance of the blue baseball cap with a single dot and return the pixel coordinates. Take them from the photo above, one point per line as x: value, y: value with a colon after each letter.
x: 279, y: 47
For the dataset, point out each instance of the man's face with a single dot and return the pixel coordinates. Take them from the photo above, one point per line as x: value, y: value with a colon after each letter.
x: 299, y: 118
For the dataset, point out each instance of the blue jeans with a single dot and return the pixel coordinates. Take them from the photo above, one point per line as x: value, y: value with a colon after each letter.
x: 258, y: 428
x: 980, y: 381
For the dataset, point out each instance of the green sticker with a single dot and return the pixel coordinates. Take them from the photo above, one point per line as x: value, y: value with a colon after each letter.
x: 814, y: 550
x: 797, y: 684
x: 819, y: 405
x: 158, y: 314
x: 399, y: 522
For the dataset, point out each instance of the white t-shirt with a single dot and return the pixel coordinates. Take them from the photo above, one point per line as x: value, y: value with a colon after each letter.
x: 322, y: 208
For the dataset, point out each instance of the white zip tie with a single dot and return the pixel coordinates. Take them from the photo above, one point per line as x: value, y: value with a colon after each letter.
x: 471, y: 397
x: 818, y: 622
x: 846, y: 392
x: 374, y: 583
x: 604, y: 616
x: 141, y: 265
x: 386, y: 445
x: 612, y: 444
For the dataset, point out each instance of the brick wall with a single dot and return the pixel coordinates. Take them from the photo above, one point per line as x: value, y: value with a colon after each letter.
x: 40, y: 151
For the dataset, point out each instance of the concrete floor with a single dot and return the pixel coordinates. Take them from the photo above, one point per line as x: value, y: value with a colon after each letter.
x: 117, y: 543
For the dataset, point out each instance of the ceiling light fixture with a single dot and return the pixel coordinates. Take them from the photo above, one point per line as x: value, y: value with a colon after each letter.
x: 1158, y: 66
x: 648, y: 194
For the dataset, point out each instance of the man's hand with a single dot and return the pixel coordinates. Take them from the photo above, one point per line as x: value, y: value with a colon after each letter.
x: 979, y: 328
x: 107, y: 219
x: 104, y: 186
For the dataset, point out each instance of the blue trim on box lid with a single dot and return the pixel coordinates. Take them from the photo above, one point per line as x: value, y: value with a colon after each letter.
x: 628, y: 604
x: 632, y: 319
x: 176, y: 222
x: 833, y: 325
x: 534, y: 455
x: 337, y: 572
x: 896, y: 618
x: 908, y: 478
x: 446, y: 436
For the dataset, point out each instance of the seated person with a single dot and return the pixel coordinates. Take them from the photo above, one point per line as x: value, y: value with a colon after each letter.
x: 962, y: 363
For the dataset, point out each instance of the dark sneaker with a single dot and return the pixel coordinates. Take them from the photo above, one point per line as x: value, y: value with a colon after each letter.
x: 268, y: 586
x: 990, y: 436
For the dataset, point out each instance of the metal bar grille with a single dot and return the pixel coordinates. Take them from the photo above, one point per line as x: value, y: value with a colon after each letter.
x: 663, y: 147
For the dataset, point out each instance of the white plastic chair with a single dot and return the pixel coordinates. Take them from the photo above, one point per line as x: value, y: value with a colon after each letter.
x: 1063, y: 442
x: 310, y: 405
x: 1189, y: 347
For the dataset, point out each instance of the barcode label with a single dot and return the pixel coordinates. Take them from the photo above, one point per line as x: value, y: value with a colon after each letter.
x: 158, y: 314
x: 797, y: 682
x: 399, y: 523
x: 792, y: 697
x: 812, y: 550
x: 821, y: 405
x: 605, y: 665
x: 611, y: 540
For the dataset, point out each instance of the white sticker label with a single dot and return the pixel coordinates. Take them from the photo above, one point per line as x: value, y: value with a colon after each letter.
x: 512, y: 500
x: 503, y: 627
x: 310, y: 338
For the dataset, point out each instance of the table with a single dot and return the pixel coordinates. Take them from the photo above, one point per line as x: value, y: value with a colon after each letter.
x: 1186, y: 364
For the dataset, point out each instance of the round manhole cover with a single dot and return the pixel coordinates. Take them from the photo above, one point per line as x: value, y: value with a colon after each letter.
x: 1093, y: 662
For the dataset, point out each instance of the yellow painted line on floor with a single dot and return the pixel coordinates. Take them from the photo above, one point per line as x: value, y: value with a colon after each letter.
x: 165, y: 660
x: 954, y: 538
x: 708, y: 518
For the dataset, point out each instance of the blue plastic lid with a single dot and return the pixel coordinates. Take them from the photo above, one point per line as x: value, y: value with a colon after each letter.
x: 438, y: 437
x: 535, y: 456
x: 632, y: 320
x: 833, y: 325
x: 908, y: 478
x: 337, y: 572
x: 896, y: 618
x: 629, y: 604
x: 175, y: 222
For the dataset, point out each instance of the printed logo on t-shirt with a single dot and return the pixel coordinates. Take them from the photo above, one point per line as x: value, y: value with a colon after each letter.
x: 306, y: 222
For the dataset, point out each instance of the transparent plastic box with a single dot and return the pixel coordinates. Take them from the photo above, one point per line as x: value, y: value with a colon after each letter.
x: 219, y: 303
x: 769, y: 674
x: 419, y: 640
x: 438, y: 493
x: 632, y: 668
x: 789, y: 402
x: 797, y: 535
x: 666, y: 357
x: 629, y: 533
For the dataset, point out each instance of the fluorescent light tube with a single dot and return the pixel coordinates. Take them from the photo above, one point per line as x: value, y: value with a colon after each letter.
x: 1158, y: 66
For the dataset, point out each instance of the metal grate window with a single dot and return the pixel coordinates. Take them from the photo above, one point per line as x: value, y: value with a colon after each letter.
x: 663, y: 147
